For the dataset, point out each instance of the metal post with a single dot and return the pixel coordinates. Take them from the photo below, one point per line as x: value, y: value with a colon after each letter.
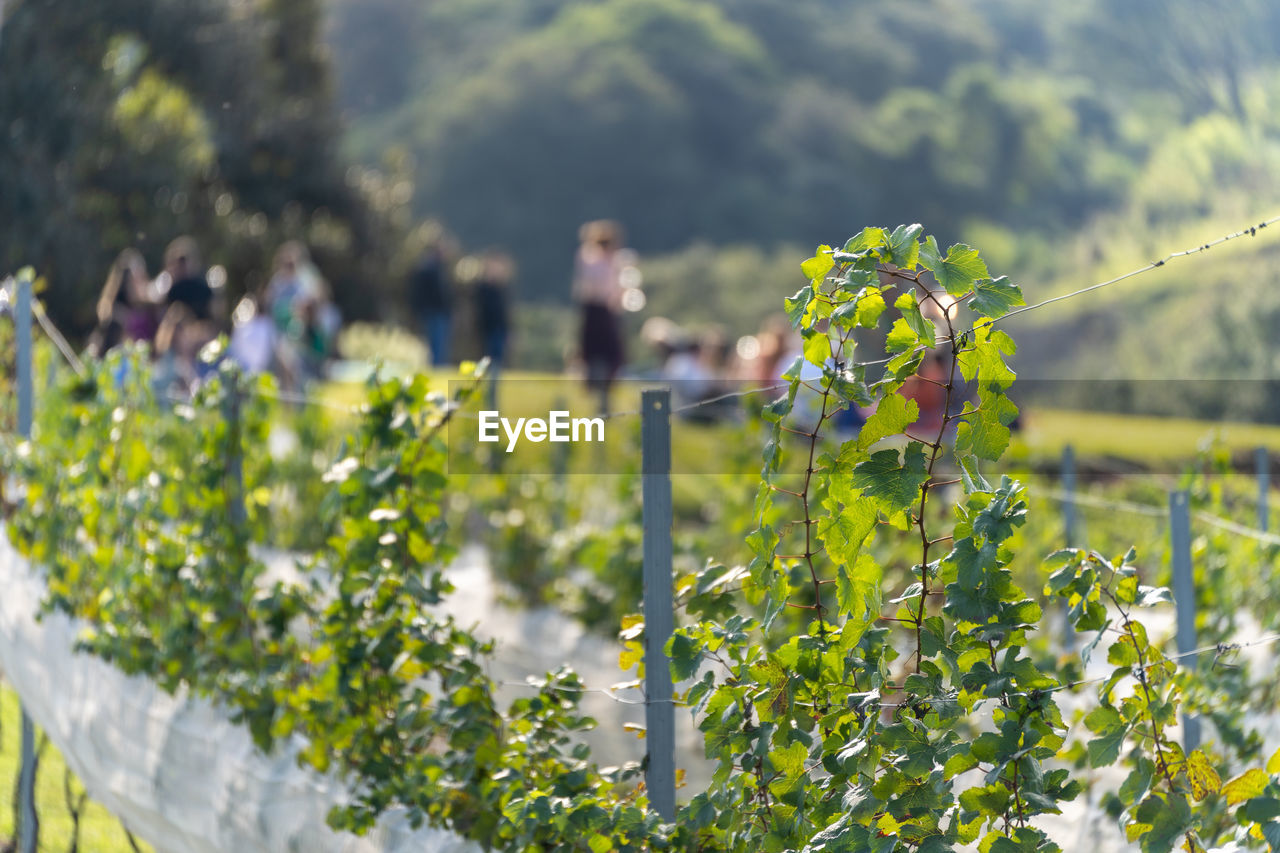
x: 1263, y: 465
x: 235, y: 463
x: 1069, y: 531
x: 1068, y: 502
x: 560, y: 470
x: 660, y: 719
x: 28, y: 825
x: 1184, y: 595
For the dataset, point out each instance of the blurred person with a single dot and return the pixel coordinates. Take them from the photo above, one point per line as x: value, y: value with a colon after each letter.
x: 253, y: 338
x: 313, y: 340
x: 179, y: 340
x: 597, y: 290
x: 489, y: 292
x: 184, y: 281
x: 127, y: 310
x: 297, y: 299
x: 687, y: 372
x: 431, y: 298
x: 677, y: 352
x: 715, y: 361
x: 777, y: 341
x: 285, y: 287
x: 716, y: 353
x: 659, y: 333
x: 684, y: 364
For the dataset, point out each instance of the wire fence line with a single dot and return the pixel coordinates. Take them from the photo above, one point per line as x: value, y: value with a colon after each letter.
x: 1249, y: 231
x: 1219, y: 650
x: 1238, y: 529
x: 1156, y: 511
x: 1102, y: 503
x: 608, y: 692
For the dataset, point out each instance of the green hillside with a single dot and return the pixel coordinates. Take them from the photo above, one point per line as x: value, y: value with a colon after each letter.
x: 1008, y: 123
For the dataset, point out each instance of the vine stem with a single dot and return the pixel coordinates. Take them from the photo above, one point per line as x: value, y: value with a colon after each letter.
x: 1146, y: 715
x: 1143, y: 682
x: 935, y: 451
x: 809, y: 552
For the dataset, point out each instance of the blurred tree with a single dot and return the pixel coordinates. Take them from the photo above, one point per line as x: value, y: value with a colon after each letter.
x: 131, y: 122
x: 527, y: 118
x: 1202, y: 50
x: 624, y: 109
x: 379, y: 43
x: 724, y: 121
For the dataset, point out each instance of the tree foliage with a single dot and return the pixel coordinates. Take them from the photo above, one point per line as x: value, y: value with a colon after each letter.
x: 130, y: 123
x: 758, y: 122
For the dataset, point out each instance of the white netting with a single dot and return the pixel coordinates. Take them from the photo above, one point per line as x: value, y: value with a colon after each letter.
x: 175, y: 770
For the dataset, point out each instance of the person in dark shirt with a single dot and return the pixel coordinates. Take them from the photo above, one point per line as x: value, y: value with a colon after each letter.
x: 430, y: 292
x: 490, y: 296
x: 188, y: 285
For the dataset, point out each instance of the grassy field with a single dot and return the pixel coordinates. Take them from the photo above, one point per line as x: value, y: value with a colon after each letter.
x: 99, y: 832
x: 1148, y: 441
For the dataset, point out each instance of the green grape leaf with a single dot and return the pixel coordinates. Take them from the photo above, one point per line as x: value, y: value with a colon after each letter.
x: 901, y: 338
x: 1122, y: 652
x: 893, y: 481
x: 1138, y: 783
x: 685, y: 656
x: 958, y: 763
x: 984, y: 358
x: 989, y: 800
x: 843, y: 532
x: 958, y: 271
x: 1111, y: 728
x: 798, y: 305
x: 910, y: 308
x: 1262, y: 809
x: 864, y: 309
x: 1169, y: 818
x: 893, y: 414
x: 858, y: 594
x: 904, y: 246
x: 994, y: 298
x: 867, y: 238
x: 817, y: 348
x: 816, y: 268
x: 984, y: 431
x: 789, y: 761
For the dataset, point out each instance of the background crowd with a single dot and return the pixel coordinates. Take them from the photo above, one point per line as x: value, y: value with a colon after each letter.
x: 289, y: 327
x: 461, y: 308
